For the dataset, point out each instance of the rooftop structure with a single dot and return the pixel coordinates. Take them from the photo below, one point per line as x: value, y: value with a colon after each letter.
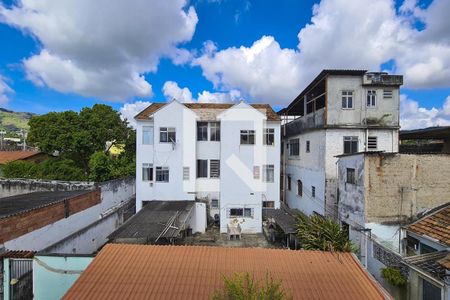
x: 186, y: 272
x: 432, y: 264
x: 9, y: 156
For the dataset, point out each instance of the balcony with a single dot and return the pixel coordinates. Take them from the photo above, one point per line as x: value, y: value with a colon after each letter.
x: 381, y: 78
x: 312, y: 120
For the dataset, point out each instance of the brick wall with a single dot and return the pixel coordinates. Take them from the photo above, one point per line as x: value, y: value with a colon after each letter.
x: 22, y: 223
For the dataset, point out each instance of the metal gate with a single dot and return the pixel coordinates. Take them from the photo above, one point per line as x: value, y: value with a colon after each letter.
x: 21, y: 278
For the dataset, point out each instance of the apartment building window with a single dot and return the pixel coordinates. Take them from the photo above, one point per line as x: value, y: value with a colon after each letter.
x: 351, y: 177
x: 214, y: 133
x: 387, y: 94
x: 147, y: 135
x: 350, y: 144
x: 289, y: 183
x: 347, y: 99
x: 167, y: 135
x: 214, y: 168
x: 202, y: 131
x: 308, y: 146
x: 147, y: 172
x: 247, y: 137
x: 371, y: 98
x: 202, y: 168
x: 269, y: 136
x: 256, y: 172
x: 268, y: 173
x: 248, y: 212
x: 162, y: 174
x: 186, y: 173
x: 299, y: 188
x: 235, y: 212
x: 313, y: 191
x: 268, y: 204
x: 214, y: 203
x: 372, y: 143
x: 294, y: 147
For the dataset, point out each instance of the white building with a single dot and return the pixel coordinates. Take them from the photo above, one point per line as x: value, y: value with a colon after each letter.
x: 225, y: 155
x: 340, y: 111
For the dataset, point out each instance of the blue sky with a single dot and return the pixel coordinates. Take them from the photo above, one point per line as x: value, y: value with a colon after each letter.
x: 228, y: 24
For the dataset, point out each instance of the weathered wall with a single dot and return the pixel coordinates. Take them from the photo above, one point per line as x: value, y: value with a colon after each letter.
x: 405, y: 185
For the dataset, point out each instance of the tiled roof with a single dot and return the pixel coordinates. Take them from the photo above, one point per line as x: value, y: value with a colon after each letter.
x: 429, y: 263
x: 264, y: 108
x: 8, y: 156
x: 445, y: 262
x: 122, y: 271
x: 435, y: 225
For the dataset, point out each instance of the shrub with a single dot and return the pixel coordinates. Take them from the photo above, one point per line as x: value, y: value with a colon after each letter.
x: 393, y: 276
x: 20, y: 169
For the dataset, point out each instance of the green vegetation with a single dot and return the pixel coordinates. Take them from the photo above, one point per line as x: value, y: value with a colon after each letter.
x: 393, y: 276
x: 319, y: 233
x: 241, y: 286
x: 13, y: 121
x: 79, y: 142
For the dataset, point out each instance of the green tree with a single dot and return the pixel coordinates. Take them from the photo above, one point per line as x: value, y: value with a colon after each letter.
x: 101, y: 167
x: 319, y: 233
x: 241, y: 286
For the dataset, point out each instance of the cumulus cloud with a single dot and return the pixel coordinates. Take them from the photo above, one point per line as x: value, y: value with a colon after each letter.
x: 171, y: 90
x: 413, y: 116
x: 129, y: 110
x: 102, y: 48
x: 341, y: 34
x: 5, y: 90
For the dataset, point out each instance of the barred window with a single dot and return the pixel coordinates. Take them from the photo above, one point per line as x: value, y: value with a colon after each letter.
x: 387, y: 94
x: 372, y: 143
x: 308, y: 146
x: 313, y: 191
x: 214, y: 168
x: 186, y: 173
x: 162, y: 174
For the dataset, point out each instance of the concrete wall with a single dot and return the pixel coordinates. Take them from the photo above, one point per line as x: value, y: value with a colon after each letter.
x: 54, y: 275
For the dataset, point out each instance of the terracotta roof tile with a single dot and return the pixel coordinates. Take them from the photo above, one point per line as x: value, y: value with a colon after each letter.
x: 445, y: 262
x: 8, y: 156
x: 122, y: 271
x: 436, y: 225
x: 265, y: 108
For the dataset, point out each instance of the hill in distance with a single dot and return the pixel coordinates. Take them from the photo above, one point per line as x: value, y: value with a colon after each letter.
x: 11, y: 121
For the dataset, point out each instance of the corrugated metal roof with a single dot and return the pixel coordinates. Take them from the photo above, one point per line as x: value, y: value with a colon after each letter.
x: 435, y: 225
x: 123, y: 271
x: 429, y: 263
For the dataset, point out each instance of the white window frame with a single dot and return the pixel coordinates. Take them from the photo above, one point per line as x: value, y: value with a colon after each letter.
x: 347, y: 97
x: 213, y: 205
x: 214, y: 172
x: 250, y: 134
x: 269, y: 134
x: 150, y: 175
x: 161, y: 173
x: 268, y: 173
x: 203, y: 135
x: 371, y: 99
x: 214, y: 127
x: 147, y: 131
x: 205, y: 162
x: 351, y: 140
x: 167, y: 132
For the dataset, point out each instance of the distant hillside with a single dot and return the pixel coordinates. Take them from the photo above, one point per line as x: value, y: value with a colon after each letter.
x: 14, y: 121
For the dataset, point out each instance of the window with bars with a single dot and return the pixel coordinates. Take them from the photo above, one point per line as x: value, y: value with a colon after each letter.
x: 214, y: 168
x: 387, y: 94
x: 247, y: 137
x: 186, y: 173
x: 214, y: 203
x: 167, y: 135
x: 147, y: 135
x: 299, y: 188
x: 162, y: 174
x: 147, y: 172
x: 235, y: 212
x: 256, y: 171
x: 347, y: 99
x: 351, y: 176
x: 313, y: 191
x: 202, y: 168
x: 294, y: 147
x: 372, y: 143
x: 308, y: 146
x: 268, y: 173
x: 269, y: 136
x: 214, y: 131
x: 202, y: 131
x: 350, y: 144
x: 371, y: 98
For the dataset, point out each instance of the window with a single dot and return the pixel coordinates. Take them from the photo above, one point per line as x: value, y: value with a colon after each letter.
x: 299, y: 188
x: 372, y: 143
x: 214, y: 203
x: 186, y: 173
x: 248, y: 213
x: 351, y: 177
x: 350, y: 144
x: 214, y: 168
x: 371, y: 98
x: 236, y: 212
x: 269, y: 136
x: 268, y: 204
x: 430, y: 291
x: 247, y: 137
x: 202, y: 131
x: 147, y: 172
x: 347, y: 99
x: 147, y: 135
x: 202, y: 168
x: 214, y: 134
x: 167, y: 135
x: 313, y: 191
x: 256, y: 172
x: 294, y: 147
x: 268, y: 173
x: 387, y: 94
x: 289, y: 183
x: 308, y: 146
x: 162, y: 174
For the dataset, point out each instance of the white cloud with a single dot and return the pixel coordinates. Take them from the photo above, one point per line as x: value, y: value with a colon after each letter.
x: 101, y: 48
x: 342, y: 34
x: 171, y: 90
x: 5, y: 90
x: 413, y: 116
x: 129, y: 110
